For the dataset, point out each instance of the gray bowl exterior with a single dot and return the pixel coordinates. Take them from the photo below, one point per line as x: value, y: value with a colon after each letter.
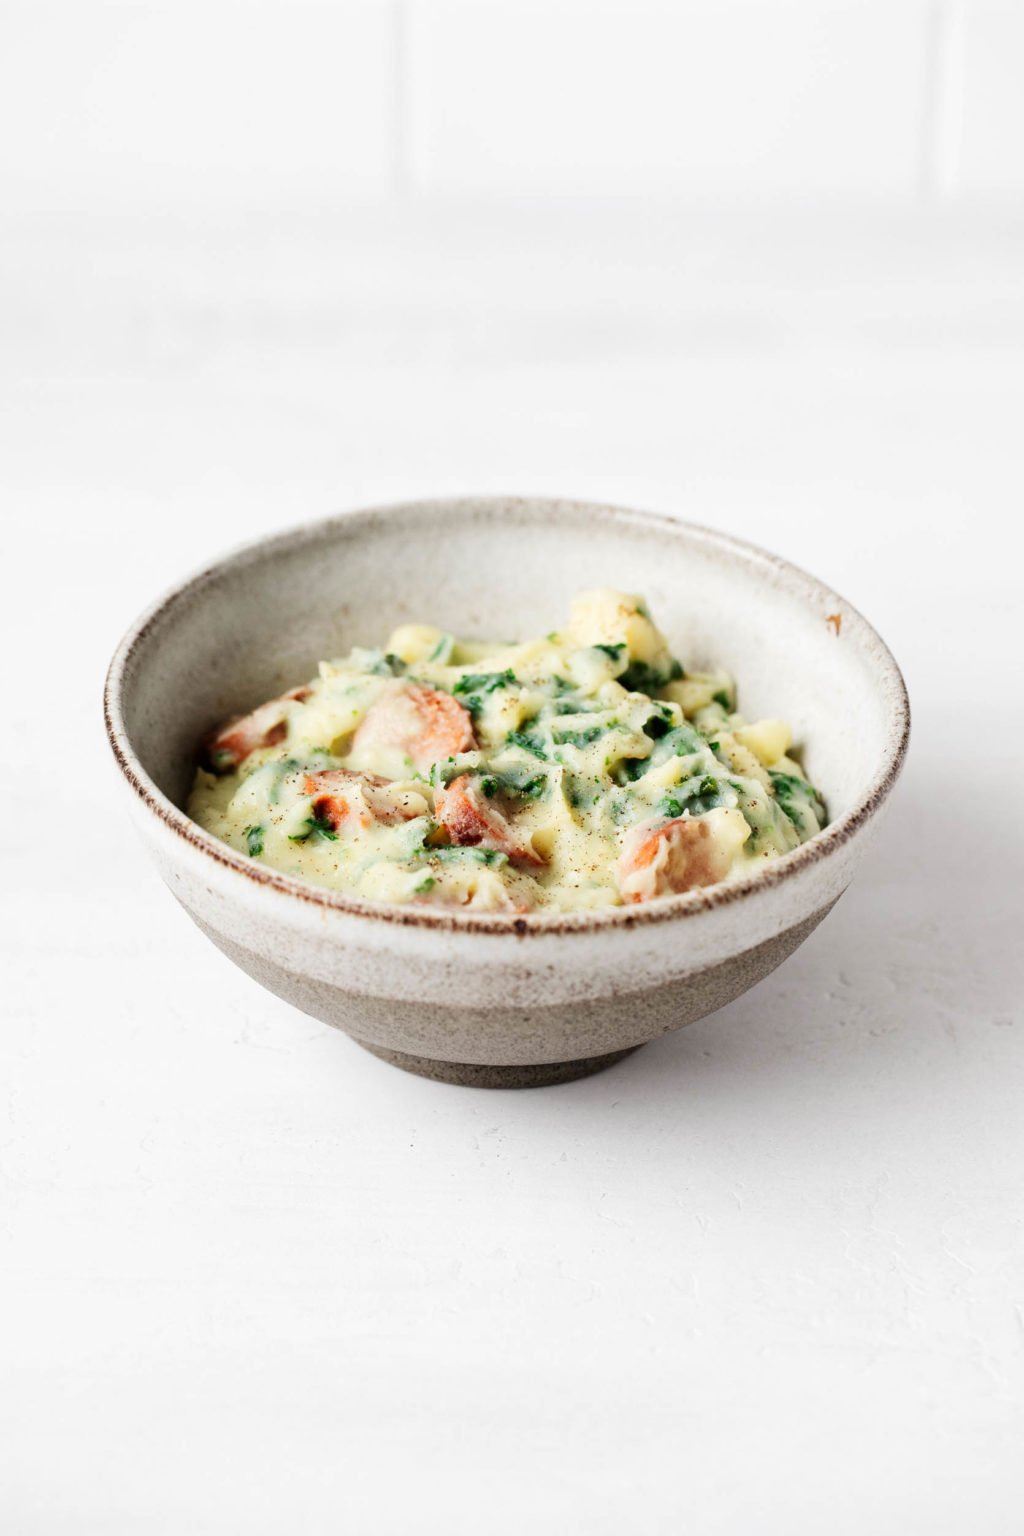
x: 428, y: 988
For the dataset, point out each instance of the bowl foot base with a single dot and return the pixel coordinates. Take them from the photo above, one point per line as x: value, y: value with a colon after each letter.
x: 475, y: 1075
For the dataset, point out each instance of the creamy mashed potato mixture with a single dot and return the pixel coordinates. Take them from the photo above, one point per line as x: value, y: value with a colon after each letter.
x: 582, y: 770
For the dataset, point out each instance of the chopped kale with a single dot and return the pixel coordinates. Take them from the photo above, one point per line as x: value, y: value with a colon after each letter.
x: 518, y: 780
x: 631, y: 768
x: 681, y: 741
x: 426, y: 884
x: 456, y: 855
x: 722, y: 698
x: 789, y: 784
x: 316, y: 826
x: 445, y: 769
x: 618, y: 654
x: 676, y: 741
x: 253, y: 841
x: 704, y: 797
x: 795, y: 797
x: 528, y: 741
x: 280, y: 770
x: 582, y: 738
x: 443, y: 649
x: 485, y: 682
x: 641, y: 677
x: 382, y: 664
x: 582, y: 793
x: 532, y: 788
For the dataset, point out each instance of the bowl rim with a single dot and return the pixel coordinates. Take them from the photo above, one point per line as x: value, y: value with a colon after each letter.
x: 793, y: 579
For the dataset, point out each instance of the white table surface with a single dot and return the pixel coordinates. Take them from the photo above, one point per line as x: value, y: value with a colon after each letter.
x: 766, y: 1275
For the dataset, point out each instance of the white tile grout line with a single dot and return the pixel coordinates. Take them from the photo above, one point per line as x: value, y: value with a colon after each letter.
x: 943, y: 116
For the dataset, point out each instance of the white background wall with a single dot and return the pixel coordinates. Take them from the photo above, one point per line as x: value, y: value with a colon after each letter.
x: 259, y: 103
x: 759, y: 265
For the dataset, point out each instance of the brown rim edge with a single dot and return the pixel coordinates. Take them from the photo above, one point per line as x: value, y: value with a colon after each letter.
x: 669, y: 909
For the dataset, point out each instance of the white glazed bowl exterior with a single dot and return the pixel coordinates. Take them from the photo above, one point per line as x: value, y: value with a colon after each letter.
x: 480, y: 989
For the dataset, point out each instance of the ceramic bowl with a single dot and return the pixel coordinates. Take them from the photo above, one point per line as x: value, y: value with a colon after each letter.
x: 497, y: 1000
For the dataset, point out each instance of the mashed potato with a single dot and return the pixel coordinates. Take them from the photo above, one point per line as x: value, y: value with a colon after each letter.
x: 586, y: 769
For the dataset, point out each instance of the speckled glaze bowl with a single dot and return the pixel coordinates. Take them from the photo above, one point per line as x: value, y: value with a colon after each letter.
x: 497, y: 1000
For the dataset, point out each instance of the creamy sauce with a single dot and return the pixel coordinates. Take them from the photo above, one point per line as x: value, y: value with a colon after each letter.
x: 582, y: 770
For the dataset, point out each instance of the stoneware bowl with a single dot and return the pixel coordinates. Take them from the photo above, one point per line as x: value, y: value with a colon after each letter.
x: 497, y: 1000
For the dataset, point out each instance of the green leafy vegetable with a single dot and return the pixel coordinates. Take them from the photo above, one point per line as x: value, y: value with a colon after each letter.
x: 381, y: 663
x: 618, y: 655
x: 280, y: 772
x: 316, y: 826
x: 796, y: 799
x: 442, y: 651
x: 631, y: 769
x: 579, y: 738
x: 518, y: 780
x: 459, y: 855
x: 641, y: 677
x: 681, y: 741
x: 704, y: 797
x: 529, y: 743
x: 656, y: 727
x: 485, y: 682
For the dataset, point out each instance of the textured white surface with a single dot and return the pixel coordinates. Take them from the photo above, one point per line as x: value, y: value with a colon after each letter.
x: 179, y: 102
x: 266, y: 104
x: 767, y: 1275
x: 734, y: 99
x: 993, y: 127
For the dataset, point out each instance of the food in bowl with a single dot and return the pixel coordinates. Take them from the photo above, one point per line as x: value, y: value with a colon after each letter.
x: 585, y: 769
x: 455, y: 993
